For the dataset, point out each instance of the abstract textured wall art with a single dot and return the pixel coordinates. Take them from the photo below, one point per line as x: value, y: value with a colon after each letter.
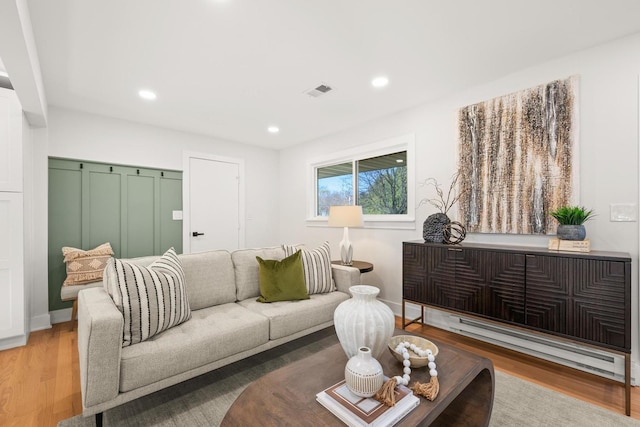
x: 518, y: 159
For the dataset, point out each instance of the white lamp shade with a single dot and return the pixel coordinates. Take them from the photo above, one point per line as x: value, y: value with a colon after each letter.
x: 345, y: 216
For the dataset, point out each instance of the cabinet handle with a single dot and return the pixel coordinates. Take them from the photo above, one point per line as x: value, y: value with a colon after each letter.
x: 454, y: 249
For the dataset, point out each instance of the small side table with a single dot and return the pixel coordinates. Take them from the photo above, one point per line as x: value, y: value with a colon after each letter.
x: 363, y: 266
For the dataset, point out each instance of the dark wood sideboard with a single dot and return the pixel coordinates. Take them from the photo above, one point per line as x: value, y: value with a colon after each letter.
x: 584, y: 297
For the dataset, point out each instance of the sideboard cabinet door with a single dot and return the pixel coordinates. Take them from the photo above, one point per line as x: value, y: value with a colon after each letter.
x: 580, y: 298
x: 505, y: 286
x: 599, y: 302
x: 414, y: 272
x: 548, y: 304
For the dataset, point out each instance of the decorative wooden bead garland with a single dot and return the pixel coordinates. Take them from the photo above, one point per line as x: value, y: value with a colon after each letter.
x: 429, y: 390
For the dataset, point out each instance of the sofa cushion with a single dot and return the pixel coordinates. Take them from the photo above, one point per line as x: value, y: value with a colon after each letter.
x: 289, y: 317
x: 246, y: 268
x: 151, y: 299
x: 209, y: 277
x: 281, y: 280
x: 317, y: 267
x: 85, y: 266
x: 211, y: 334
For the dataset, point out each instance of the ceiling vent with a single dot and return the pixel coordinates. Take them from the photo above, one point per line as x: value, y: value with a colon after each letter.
x: 318, y: 90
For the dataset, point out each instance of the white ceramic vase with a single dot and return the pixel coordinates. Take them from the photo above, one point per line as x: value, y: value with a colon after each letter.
x: 363, y: 321
x: 363, y: 374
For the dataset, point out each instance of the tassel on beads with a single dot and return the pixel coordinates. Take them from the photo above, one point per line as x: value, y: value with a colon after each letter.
x: 429, y: 390
x: 387, y: 394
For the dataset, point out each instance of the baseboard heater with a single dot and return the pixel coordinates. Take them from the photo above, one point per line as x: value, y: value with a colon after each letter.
x: 588, y: 359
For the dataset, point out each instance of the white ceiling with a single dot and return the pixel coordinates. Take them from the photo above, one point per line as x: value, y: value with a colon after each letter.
x: 229, y: 69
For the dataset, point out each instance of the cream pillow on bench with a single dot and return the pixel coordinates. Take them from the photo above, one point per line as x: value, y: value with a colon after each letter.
x: 85, y: 266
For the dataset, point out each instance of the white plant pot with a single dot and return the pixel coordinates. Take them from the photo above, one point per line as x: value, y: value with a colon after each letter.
x: 363, y: 321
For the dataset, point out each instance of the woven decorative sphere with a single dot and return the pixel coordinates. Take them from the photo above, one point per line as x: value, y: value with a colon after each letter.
x: 454, y: 233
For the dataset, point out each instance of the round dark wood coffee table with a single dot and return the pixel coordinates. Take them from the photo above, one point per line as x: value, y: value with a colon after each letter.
x: 287, y: 396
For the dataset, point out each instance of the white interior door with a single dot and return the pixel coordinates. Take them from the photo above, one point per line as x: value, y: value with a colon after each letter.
x: 213, y: 204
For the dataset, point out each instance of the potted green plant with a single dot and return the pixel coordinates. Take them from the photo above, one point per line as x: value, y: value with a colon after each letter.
x: 571, y: 221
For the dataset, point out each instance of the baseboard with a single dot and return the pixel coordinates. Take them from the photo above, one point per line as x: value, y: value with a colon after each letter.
x: 41, y: 322
x: 59, y: 316
x: 13, y: 342
x: 574, y: 355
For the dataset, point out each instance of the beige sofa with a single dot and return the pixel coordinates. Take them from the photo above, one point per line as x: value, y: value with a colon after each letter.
x: 226, y: 325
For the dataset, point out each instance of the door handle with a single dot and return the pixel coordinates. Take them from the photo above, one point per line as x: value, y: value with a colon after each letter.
x: 196, y: 234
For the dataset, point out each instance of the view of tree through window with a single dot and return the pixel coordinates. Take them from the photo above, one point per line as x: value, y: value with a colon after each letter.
x: 335, y: 187
x: 381, y: 185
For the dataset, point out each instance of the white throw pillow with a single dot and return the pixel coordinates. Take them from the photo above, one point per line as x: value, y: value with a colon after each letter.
x: 151, y: 299
x: 317, y: 268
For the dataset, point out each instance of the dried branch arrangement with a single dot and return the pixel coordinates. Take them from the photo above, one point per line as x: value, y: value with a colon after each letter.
x: 440, y: 202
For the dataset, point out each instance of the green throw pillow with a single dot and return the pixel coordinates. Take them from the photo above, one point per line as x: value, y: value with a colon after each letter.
x: 282, y: 280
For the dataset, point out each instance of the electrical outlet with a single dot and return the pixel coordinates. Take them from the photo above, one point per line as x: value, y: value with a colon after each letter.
x: 623, y: 212
x: 177, y: 215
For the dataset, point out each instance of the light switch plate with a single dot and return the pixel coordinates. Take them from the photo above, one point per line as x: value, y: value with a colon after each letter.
x: 177, y: 215
x: 624, y: 212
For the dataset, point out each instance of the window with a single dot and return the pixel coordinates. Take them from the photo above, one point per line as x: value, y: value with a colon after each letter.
x: 375, y: 177
x: 382, y: 184
x: 334, y: 187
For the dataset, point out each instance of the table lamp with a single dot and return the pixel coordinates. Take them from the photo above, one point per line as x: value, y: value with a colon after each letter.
x: 346, y: 216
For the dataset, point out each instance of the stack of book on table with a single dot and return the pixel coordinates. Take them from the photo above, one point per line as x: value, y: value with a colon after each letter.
x: 570, y: 245
x: 358, y: 411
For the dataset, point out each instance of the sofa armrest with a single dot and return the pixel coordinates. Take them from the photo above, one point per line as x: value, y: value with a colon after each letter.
x: 345, y: 277
x: 100, y: 329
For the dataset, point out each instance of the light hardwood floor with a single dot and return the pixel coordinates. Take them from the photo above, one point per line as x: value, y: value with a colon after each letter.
x: 40, y: 384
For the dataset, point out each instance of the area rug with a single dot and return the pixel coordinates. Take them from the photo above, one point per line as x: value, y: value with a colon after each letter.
x: 204, y: 400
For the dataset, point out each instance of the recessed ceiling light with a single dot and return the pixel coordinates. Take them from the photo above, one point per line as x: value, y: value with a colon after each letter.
x: 380, y: 81
x: 273, y: 129
x: 147, y: 94
x: 399, y: 161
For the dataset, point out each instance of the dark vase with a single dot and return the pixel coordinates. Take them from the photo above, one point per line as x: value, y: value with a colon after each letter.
x: 433, y: 227
x: 571, y: 232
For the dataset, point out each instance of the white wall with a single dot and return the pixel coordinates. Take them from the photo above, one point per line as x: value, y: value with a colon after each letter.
x: 39, y: 291
x: 608, y: 135
x: 85, y: 136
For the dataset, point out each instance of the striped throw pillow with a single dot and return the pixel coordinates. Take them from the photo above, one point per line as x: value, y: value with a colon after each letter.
x: 151, y: 299
x: 317, y: 267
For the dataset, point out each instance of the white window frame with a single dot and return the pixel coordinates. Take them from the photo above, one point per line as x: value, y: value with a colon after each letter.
x: 363, y: 152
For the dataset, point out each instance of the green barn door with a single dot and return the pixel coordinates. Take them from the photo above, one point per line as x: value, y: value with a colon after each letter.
x: 101, y: 206
x: 93, y: 203
x: 65, y: 223
x: 139, y: 215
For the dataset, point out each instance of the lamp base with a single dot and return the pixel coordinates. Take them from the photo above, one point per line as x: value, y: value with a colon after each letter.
x: 346, y: 250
